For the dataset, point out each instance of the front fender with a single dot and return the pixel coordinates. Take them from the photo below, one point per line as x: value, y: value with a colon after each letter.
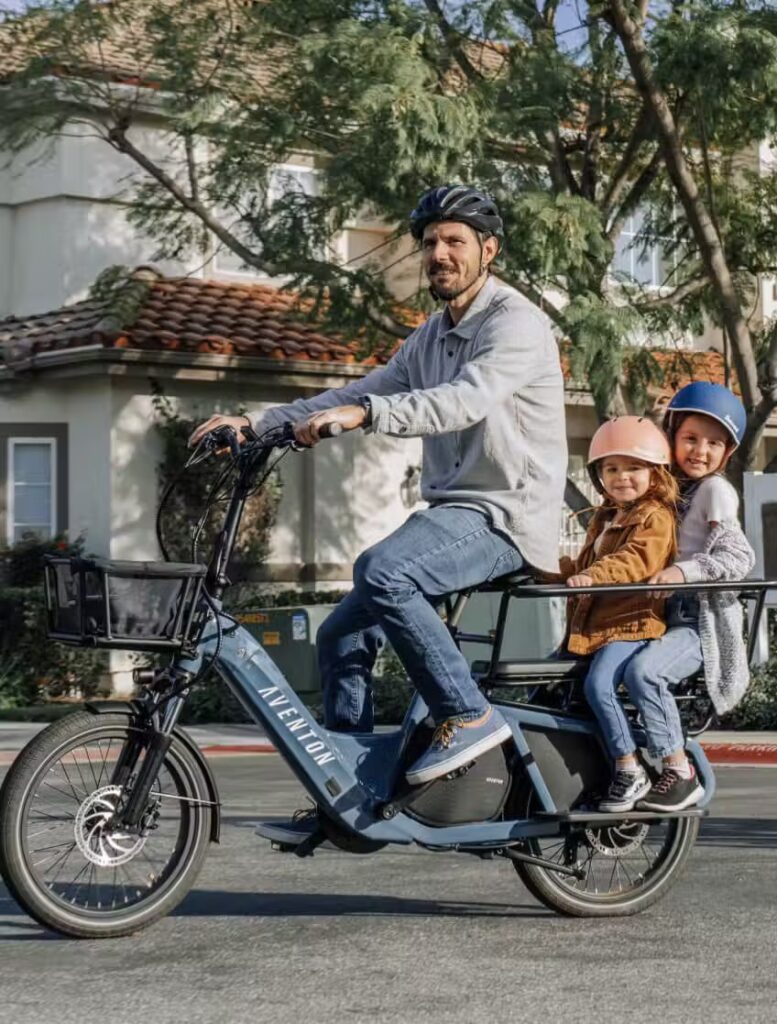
x: 133, y: 710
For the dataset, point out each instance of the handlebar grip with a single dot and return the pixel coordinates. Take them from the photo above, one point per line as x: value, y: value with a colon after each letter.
x: 330, y: 430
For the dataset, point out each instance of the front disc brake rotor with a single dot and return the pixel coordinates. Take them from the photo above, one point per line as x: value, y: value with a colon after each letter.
x: 98, y: 841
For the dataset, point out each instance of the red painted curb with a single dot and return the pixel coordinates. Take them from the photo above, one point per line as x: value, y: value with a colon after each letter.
x: 740, y: 753
x: 238, y: 748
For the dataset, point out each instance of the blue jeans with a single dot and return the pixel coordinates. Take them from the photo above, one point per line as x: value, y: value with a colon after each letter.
x: 670, y: 659
x: 438, y: 551
x: 647, y: 669
x: 608, y: 668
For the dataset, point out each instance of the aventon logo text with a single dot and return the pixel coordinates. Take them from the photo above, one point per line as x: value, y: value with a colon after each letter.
x: 317, y: 749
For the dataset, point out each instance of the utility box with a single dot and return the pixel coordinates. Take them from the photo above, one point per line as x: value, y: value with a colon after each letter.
x: 534, y: 628
x: 289, y: 637
x: 761, y: 528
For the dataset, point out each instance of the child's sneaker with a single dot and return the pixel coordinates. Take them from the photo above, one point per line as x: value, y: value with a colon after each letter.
x: 672, y: 792
x: 625, y: 789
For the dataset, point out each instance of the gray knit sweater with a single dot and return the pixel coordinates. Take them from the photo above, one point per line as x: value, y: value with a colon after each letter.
x: 727, y: 555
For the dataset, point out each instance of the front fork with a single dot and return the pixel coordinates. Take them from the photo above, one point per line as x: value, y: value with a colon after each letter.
x: 154, y: 739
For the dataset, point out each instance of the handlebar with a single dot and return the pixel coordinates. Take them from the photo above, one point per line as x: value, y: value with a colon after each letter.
x: 226, y: 437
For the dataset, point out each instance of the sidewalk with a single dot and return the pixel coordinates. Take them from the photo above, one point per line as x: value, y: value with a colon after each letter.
x: 722, y: 748
x: 213, y: 740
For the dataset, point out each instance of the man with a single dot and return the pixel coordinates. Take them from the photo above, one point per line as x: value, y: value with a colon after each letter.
x: 481, y: 383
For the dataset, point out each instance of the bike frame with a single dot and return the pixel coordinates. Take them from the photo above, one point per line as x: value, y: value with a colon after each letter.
x: 353, y: 777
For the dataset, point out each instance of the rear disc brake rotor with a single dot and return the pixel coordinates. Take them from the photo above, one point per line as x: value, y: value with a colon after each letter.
x: 617, y: 840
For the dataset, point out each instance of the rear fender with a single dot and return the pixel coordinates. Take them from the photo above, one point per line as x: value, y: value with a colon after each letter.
x: 133, y: 710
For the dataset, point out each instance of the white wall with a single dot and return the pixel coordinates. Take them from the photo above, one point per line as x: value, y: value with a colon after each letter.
x: 63, y: 221
x: 355, y: 481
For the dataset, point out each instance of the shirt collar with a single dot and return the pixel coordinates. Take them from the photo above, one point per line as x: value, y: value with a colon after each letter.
x: 469, y: 323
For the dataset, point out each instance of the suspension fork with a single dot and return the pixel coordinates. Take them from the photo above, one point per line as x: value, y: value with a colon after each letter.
x: 156, y: 747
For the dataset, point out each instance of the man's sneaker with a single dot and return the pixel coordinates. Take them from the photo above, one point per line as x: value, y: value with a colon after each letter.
x: 625, y: 789
x: 456, y: 742
x: 673, y: 793
x: 290, y: 831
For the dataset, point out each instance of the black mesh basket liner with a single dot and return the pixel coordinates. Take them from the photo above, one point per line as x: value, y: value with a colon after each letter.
x: 132, y: 605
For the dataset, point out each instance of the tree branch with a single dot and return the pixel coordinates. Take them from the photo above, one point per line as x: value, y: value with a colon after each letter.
x: 453, y: 41
x: 118, y: 139
x: 690, y: 287
x: 699, y: 220
x: 640, y: 133
x: 637, y: 192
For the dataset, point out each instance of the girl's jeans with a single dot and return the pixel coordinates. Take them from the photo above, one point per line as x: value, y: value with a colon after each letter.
x: 438, y: 551
x: 647, y: 668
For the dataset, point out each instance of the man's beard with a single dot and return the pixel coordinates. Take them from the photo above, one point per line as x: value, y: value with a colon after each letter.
x: 449, y: 294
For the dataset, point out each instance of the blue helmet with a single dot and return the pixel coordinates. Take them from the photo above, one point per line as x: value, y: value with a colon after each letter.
x: 711, y: 400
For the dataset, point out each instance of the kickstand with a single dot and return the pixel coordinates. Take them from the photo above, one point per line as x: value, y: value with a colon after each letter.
x: 311, y: 843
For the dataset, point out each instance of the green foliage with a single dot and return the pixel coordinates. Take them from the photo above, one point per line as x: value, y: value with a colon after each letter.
x: 187, y: 500
x: 32, y: 668
x: 758, y: 708
x: 392, y: 98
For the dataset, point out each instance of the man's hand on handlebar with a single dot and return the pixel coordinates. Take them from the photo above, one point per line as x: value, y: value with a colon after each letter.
x: 236, y: 423
x: 310, y: 431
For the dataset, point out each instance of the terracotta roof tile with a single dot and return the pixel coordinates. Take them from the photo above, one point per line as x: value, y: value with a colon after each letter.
x: 183, y: 314
x: 223, y: 318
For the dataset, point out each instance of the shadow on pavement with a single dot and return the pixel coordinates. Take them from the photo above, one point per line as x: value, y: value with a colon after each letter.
x: 757, y: 833
x: 212, y: 903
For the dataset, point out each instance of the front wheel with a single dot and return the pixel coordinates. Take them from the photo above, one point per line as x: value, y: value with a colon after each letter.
x: 62, y: 858
x: 626, y: 866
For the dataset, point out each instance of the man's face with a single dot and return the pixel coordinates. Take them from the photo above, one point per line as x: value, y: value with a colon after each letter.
x: 452, y: 257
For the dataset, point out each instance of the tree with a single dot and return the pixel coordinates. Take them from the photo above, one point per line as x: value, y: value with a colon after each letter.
x: 743, y: 52
x: 555, y: 116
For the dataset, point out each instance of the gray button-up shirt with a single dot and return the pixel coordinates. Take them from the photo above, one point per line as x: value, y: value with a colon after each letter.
x: 487, y: 397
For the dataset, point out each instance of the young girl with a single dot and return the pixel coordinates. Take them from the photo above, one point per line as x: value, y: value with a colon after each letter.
x: 705, y: 423
x: 631, y: 538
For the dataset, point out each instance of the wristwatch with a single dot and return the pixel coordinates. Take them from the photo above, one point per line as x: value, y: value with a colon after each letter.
x: 366, y: 404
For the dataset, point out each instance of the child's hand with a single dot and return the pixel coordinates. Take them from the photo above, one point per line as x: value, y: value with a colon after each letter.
x: 580, y: 580
x: 672, y: 574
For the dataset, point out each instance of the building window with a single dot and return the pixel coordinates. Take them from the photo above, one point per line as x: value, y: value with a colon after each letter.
x: 643, y: 259
x: 31, y: 487
x: 286, y: 178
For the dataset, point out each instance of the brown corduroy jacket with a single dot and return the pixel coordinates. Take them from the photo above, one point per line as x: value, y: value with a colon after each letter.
x: 641, y: 544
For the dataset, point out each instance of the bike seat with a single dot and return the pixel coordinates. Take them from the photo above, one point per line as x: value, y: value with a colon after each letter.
x: 510, y: 579
x: 535, y: 670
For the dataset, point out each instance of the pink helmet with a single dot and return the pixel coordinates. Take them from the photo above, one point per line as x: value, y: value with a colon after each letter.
x: 628, y: 435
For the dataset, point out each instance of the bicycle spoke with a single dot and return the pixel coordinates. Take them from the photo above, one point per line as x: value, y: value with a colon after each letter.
x: 74, y: 851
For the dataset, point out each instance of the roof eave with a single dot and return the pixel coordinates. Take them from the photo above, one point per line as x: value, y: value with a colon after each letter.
x: 96, y: 360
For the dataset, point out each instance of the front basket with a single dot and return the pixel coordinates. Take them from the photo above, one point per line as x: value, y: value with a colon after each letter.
x: 134, y: 606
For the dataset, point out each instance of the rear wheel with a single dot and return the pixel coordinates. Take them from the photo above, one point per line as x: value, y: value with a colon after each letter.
x: 625, y: 866
x: 62, y: 857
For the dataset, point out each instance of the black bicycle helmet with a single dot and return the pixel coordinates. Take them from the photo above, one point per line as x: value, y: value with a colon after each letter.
x: 458, y: 203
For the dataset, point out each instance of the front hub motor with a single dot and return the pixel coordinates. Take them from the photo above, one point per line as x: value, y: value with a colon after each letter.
x: 97, y: 838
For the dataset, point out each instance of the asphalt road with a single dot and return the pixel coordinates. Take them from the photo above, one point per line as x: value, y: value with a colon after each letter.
x: 406, y: 936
